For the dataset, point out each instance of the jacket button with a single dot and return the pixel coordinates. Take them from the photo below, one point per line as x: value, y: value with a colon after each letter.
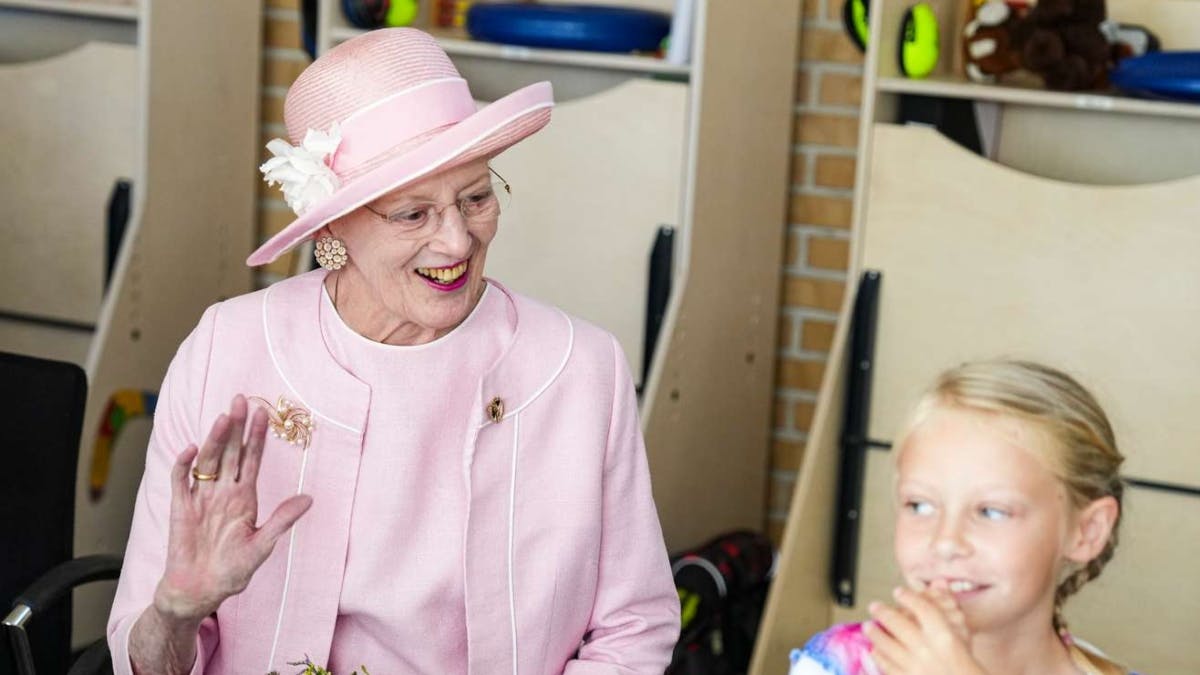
x: 495, y: 409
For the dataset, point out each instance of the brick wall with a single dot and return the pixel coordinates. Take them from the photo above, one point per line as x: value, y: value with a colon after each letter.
x: 828, y: 85
x: 828, y: 91
x: 283, y: 59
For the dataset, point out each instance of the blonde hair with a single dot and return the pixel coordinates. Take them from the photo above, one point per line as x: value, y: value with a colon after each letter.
x: 1083, y: 450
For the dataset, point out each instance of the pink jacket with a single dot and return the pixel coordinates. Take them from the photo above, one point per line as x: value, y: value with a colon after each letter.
x: 565, y: 569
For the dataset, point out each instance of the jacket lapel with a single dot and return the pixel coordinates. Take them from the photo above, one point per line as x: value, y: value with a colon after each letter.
x: 291, y: 312
x: 311, y: 584
x: 538, y: 353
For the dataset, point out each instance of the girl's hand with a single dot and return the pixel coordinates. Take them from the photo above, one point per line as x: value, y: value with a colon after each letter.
x: 214, y: 545
x: 939, y: 593
x: 925, y: 635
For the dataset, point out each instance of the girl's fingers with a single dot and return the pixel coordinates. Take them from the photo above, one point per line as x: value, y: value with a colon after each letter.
x: 252, y: 457
x: 896, y: 623
x: 231, y: 455
x: 887, y: 665
x: 939, y: 592
x: 885, y: 650
x: 927, y: 614
x: 208, y: 460
x: 938, y: 626
x: 956, y: 618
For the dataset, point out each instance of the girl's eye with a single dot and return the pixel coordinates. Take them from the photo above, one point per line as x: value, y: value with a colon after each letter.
x: 993, y: 513
x: 918, y: 507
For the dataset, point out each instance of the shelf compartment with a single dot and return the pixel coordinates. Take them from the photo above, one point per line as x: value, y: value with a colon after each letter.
x: 55, y: 268
x: 458, y: 43
x: 1103, y: 102
x: 118, y: 11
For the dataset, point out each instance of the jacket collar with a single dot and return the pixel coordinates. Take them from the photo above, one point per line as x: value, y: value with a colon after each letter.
x: 541, y: 345
x: 291, y: 323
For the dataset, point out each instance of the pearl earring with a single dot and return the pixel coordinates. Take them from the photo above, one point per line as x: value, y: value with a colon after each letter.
x: 330, y: 253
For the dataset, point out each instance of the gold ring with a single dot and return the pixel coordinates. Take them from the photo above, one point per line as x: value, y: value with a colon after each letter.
x: 203, y: 476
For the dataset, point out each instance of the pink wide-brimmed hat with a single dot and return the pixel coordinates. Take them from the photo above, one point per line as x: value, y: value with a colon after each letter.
x: 376, y: 113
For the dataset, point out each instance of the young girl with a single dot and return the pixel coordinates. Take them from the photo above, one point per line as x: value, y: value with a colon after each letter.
x: 1008, y: 500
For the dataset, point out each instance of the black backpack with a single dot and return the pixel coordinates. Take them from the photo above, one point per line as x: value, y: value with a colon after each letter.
x: 722, y: 588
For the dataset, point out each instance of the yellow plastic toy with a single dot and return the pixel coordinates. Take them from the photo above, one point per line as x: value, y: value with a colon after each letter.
x: 401, y: 13
x: 919, y: 41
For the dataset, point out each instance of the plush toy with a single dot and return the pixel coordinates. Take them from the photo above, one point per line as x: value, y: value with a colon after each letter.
x: 1062, y: 41
x: 988, y: 47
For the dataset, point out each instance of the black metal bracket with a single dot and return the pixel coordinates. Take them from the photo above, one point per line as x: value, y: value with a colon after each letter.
x: 1161, y: 486
x: 870, y: 443
x: 854, y: 437
x: 658, y: 292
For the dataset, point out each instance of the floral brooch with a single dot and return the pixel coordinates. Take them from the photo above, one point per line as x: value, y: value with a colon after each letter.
x: 288, y: 421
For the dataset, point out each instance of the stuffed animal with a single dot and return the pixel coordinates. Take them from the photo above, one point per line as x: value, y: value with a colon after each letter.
x: 987, y: 42
x: 1062, y: 41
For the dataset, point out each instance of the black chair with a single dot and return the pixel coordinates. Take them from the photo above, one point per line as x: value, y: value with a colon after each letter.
x: 42, y: 403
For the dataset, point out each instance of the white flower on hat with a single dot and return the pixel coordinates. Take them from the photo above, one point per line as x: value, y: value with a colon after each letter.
x: 303, y: 171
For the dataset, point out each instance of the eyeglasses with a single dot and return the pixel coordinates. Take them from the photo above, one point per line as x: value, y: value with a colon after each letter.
x: 419, y: 219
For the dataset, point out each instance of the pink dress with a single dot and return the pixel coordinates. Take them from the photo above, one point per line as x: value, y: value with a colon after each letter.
x: 403, y: 582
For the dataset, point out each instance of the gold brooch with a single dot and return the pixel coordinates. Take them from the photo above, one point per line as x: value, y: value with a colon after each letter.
x: 288, y: 421
x: 495, y: 409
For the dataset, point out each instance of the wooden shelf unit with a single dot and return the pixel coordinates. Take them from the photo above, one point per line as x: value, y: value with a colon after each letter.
x: 175, y: 111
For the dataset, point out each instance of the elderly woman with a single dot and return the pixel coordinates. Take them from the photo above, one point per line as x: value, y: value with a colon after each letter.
x: 455, y: 477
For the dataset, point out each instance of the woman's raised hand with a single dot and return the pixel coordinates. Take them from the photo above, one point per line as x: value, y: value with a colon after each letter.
x: 214, y: 544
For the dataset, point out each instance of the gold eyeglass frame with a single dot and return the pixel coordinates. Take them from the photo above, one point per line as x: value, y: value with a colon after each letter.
x: 457, y: 203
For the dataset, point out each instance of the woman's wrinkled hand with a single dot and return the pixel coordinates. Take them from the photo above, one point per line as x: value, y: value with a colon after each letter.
x: 214, y: 544
x: 925, y: 634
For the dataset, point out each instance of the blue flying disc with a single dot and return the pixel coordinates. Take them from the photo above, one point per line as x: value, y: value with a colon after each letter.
x: 582, y: 27
x: 366, y: 14
x: 1173, y: 75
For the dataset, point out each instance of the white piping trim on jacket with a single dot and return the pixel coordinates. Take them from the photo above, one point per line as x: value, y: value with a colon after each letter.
x: 287, y: 576
x: 278, y: 369
x: 512, y: 500
x: 552, y: 378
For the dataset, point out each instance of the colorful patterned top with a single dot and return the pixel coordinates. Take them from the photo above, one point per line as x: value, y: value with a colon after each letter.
x: 845, y: 650
x: 841, y: 650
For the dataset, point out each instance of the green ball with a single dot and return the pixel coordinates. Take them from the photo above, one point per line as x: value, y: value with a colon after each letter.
x: 401, y: 13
